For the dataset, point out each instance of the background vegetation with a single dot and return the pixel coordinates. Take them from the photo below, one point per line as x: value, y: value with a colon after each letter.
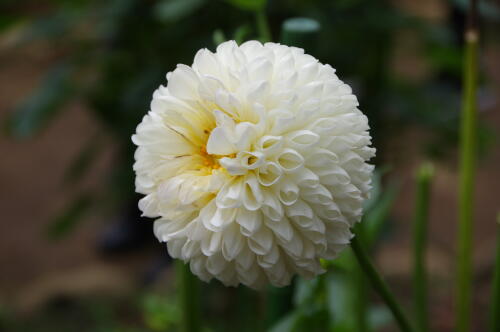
x: 111, y: 55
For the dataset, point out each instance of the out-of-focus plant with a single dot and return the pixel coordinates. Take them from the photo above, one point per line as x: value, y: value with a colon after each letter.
x: 495, y: 286
x: 160, y: 313
x: 420, y: 225
x: 468, y: 148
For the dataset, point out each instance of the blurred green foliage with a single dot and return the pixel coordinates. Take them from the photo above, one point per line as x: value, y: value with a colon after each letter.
x: 160, y: 313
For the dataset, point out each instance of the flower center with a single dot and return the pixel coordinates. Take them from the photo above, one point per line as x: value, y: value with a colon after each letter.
x: 209, y: 161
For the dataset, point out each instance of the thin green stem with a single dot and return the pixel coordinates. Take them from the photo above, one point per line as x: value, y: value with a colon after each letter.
x: 188, y: 287
x: 495, y: 297
x: 361, y: 291
x: 466, y: 182
x: 380, y: 286
x: 360, y: 305
x: 262, y: 26
x: 424, y: 177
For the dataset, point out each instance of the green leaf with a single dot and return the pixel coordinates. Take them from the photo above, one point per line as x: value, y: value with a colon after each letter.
x: 278, y: 303
x: 304, y: 290
x: 218, y: 37
x: 38, y: 109
x: 375, y: 218
x: 241, y: 33
x: 376, y: 188
x: 170, y: 11
x: 341, y: 298
x: 7, y: 21
x: 287, y: 323
x: 252, y: 5
x: 379, y: 316
x: 66, y: 221
x: 300, y: 32
x: 316, y: 319
x: 301, y: 25
x: 160, y: 313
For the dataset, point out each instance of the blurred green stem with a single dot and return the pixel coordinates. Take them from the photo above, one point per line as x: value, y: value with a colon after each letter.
x: 360, y: 303
x: 262, y: 26
x: 188, y: 287
x: 467, y: 166
x: 424, y: 177
x: 495, y: 297
x: 380, y: 286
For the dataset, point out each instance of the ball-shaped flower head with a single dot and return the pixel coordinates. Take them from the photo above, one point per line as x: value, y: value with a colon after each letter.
x: 254, y: 162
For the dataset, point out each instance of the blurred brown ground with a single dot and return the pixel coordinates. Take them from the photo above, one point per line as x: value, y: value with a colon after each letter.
x: 33, y: 268
x: 31, y: 191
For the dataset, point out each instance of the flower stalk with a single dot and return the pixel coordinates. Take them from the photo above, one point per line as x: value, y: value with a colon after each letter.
x: 262, y: 26
x: 188, y: 287
x: 495, y: 289
x: 467, y: 169
x: 424, y: 177
x: 380, y: 286
x: 361, y: 289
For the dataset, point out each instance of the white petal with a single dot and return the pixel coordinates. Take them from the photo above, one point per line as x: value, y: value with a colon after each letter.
x: 251, y: 160
x: 232, y: 242
x: 288, y: 192
x: 252, y: 194
x: 250, y: 221
x: 211, y: 243
x: 221, y: 219
x: 234, y: 166
x: 219, y: 143
x: 183, y: 83
x: 230, y: 195
x: 290, y: 160
x: 302, y: 139
x: 282, y: 229
x: 269, y: 174
x: 261, y: 242
x: 271, y: 206
x: 270, y: 145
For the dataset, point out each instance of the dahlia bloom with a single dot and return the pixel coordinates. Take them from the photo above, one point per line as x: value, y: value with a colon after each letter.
x: 254, y: 162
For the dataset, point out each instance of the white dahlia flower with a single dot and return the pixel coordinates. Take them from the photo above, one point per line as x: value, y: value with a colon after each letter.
x: 253, y: 161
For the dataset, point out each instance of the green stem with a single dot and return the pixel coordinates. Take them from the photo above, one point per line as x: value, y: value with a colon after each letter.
x: 361, y: 304
x: 262, y: 26
x: 495, y: 303
x: 424, y: 177
x: 380, y: 286
x: 361, y: 291
x: 466, y: 183
x: 188, y: 287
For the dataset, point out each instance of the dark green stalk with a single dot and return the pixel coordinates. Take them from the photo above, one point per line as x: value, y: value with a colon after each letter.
x: 361, y: 305
x: 495, y: 297
x: 262, y: 26
x: 467, y: 167
x: 380, y: 286
x: 361, y: 291
x: 424, y: 177
x: 188, y: 287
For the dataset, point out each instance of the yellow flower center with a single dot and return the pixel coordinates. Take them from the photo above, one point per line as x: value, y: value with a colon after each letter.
x: 209, y: 161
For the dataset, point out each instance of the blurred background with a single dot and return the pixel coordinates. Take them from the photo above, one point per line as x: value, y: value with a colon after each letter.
x: 77, y: 76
